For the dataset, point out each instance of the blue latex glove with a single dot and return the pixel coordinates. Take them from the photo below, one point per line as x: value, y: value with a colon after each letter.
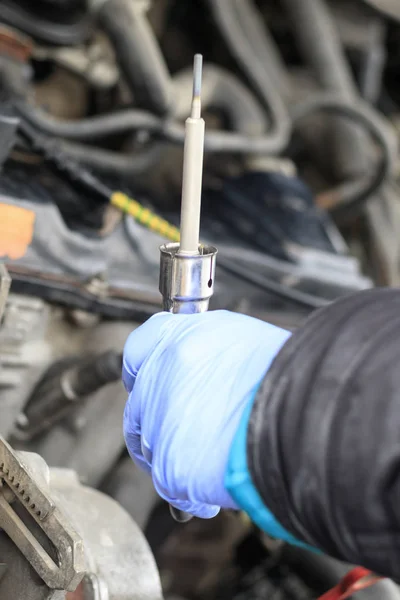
x: 190, y: 378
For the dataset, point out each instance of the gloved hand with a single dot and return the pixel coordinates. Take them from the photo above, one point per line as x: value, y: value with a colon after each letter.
x: 190, y: 378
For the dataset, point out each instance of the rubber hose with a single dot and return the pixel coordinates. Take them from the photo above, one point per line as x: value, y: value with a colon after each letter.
x: 125, y: 165
x: 264, y: 72
x: 363, y: 113
x: 138, y: 53
x: 325, y: 572
x: 47, y: 31
x: 114, y: 162
x: 270, y: 286
x: 216, y: 142
x: 356, y: 190
x: 321, y: 47
x: 264, y: 46
x: 100, y: 370
x: 220, y: 90
x: 252, y: 46
x: 66, y: 383
x: 111, y: 162
x: 90, y: 129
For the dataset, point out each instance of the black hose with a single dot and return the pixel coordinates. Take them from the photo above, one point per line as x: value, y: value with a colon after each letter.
x: 65, y: 155
x: 112, y: 163
x: 271, y: 287
x: 354, y: 193
x: 320, y: 44
x: 127, y: 165
x: 322, y: 572
x: 265, y: 48
x: 220, y: 90
x: 250, y: 43
x: 367, y: 117
x: 216, y: 142
x: 322, y: 48
x: 125, y: 121
x: 138, y: 53
x: 90, y: 129
x: 60, y: 34
x: 64, y: 385
x: 245, y: 41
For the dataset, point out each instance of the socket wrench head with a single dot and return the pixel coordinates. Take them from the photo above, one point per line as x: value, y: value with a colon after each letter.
x: 186, y: 281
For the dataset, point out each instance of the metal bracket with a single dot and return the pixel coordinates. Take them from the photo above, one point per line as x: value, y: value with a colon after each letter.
x: 65, y: 568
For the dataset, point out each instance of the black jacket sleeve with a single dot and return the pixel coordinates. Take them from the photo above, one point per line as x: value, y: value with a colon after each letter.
x: 323, y: 444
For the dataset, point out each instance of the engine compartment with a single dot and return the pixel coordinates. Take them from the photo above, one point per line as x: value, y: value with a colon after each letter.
x: 300, y: 194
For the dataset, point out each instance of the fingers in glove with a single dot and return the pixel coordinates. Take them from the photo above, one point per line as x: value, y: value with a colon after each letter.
x: 140, y: 344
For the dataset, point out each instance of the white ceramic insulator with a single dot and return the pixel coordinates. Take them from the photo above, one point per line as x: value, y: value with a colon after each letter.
x: 192, y: 185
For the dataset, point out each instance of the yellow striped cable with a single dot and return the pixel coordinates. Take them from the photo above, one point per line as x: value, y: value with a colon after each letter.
x: 145, y: 217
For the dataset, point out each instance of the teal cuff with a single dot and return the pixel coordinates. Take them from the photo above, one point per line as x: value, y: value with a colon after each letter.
x: 241, y: 488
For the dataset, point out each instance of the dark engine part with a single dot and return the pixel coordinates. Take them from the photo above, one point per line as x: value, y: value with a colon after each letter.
x: 139, y: 55
x: 65, y: 384
x: 273, y: 211
x: 228, y: 560
x: 60, y: 23
x: 389, y: 8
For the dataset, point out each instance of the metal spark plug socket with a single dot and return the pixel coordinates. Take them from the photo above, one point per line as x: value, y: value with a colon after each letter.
x: 186, y: 280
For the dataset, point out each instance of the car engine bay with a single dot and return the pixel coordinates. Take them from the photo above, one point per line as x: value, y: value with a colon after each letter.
x: 301, y: 194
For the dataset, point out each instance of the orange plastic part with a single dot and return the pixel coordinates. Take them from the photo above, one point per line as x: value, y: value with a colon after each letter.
x: 16, y: 231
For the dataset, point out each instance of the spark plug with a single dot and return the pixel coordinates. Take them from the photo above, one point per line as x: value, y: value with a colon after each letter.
x: 187, y: 268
